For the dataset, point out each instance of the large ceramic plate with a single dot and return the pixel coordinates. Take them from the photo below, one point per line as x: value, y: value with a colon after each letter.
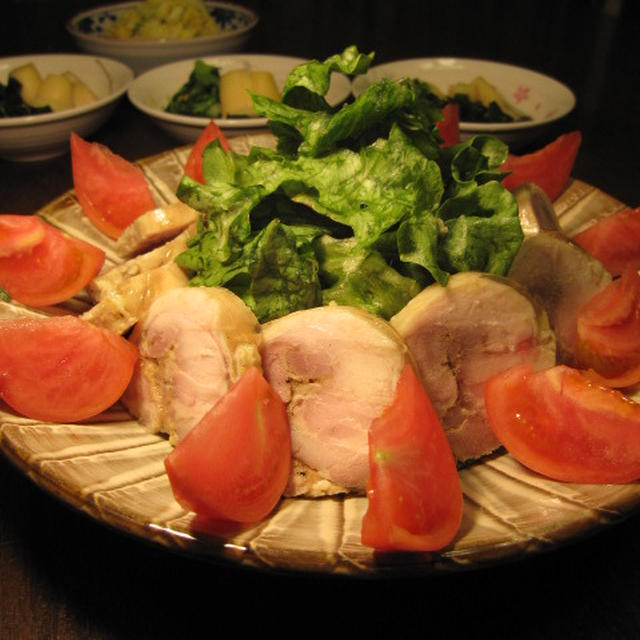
x: 113, y: 469
x: 151, y: 92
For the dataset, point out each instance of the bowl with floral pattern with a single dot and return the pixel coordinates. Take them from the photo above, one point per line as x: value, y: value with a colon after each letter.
x: 93, y: 33
x: 532, y: 99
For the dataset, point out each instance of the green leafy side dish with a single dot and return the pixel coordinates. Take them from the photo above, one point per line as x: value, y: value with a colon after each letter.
x: 200, y: 95
x: 475, y: 111
x: 357, y: 205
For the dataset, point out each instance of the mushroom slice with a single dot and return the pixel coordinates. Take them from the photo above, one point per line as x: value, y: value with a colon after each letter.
x: 535, y: 210
x: 460, y: 335
x: 102, y: 286
x: 154, y: 227
x: 194, y: 343
x: 121, y: 308
x: 336, y: 368
x: 561, y: 276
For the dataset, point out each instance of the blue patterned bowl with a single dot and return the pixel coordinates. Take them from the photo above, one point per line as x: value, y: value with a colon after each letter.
x: 87, y: 29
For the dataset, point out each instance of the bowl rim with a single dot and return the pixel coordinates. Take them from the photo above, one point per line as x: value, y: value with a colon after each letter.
x: 71, y: 26
x: 58, y: 116
x: 495, y: 127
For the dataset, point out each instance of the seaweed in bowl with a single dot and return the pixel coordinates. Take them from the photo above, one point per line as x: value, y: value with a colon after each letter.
x: 480, y: 101
x: 12, y: 105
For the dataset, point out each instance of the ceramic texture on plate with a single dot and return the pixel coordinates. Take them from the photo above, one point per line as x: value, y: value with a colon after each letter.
x: 542, y: 98
x: 112, y: 469
x: 152, y: 91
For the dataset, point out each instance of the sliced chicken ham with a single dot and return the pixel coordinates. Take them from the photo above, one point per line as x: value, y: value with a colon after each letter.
x: 337, y: 369
x: 194, y: 343
x: 461, y: 334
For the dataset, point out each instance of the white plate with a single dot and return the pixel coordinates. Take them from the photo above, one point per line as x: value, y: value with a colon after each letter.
x: 542, y: 98
x: 151, y: 92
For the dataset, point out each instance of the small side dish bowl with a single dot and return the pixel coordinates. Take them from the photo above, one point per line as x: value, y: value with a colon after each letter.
x: 150, y: 93
x: 46, y: 135
x: 542, y: 98
x: 87, y: 29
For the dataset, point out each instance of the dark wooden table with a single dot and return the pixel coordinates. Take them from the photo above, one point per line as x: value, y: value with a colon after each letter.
x: 65, y: 576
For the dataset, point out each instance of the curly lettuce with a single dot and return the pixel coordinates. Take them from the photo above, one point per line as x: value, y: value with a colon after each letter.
x: 358, y: 205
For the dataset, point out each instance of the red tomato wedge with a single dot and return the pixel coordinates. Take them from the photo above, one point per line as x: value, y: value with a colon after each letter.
x: 415, y: 499
x: 18, y: 233
x: 48, y: 271
x: 614, y: 240
x: 449, y: 127
x: 235, y: 463
x: 193, y: 166
x: 608, y: 330
x: 112, y: 191
x: 564, y: 426
x: 62, y: 368
x: 550, y: 167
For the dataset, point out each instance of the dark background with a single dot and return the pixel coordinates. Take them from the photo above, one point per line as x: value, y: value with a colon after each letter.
x: 65, y: 576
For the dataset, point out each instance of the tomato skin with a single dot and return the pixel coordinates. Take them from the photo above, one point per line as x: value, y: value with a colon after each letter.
x: 549, y: 167
x: 235, y: 463
x: 559, y: 423
x: 608, y: 332
x: 614, y: 240
x: 111, y: 191
x: 62, y: 368
x: 193, y: 166
x: 449, y: 126
x: 49, y: 271
x: 415, y: 499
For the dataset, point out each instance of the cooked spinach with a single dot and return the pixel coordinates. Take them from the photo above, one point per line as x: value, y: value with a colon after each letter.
x: 200, y: 95
x: 475, y: 111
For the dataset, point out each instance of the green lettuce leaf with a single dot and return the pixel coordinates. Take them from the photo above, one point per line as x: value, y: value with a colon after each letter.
x: 358, y: 276
x: 321, y: 131
x: 278, y: 273
x: 484, y: 231
x: 308, y: 83
x: 358, y: 205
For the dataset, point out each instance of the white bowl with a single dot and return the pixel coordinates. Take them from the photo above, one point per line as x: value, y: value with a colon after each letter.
x: 542, y: 98
x: 46, y: 135
x: 141, y: 54
x: 151, y: 92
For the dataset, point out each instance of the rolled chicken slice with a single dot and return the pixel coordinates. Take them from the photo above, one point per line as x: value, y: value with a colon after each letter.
x: 460, y: 335
x: 194, y: 343
x: 336, y: 368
